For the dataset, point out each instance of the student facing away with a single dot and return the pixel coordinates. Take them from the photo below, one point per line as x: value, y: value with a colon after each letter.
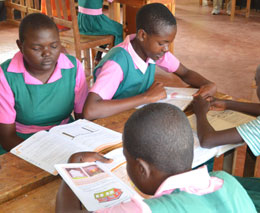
x: 124, y: 78
x: 165, y: 172
x: 39, y: 86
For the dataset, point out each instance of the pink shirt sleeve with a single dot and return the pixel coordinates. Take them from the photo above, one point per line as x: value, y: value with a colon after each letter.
x: 7, y: 102
x: 136, y: 205
x: 168, y: 62
x: 81, y: 89
x: 108, y: 79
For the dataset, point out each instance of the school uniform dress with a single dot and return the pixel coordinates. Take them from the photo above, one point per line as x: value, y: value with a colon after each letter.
x: 34, y: 106
x: 122, y: 73
x: 196, y: 191
x: 92, y: 21
x: 250, y: 132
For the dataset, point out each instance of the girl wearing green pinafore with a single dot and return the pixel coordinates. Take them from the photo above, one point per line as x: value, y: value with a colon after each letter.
x: 91, y: 21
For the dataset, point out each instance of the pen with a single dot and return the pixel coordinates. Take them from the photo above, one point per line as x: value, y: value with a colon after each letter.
x: 177, y: 96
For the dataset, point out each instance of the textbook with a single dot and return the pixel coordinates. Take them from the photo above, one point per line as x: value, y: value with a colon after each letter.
x: 219, y: 120
x: 99, y: 185
x: 180, y: 97
x: 47, y: 148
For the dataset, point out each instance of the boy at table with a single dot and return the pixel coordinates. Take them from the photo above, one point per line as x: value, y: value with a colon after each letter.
x: 40, y: 86
x: 124, y: 78
x: 165, y: 172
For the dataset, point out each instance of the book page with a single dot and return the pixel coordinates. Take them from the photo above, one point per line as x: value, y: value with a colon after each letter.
x: 179, y: 97
x: 84, y: 133
x: 94, y: 185
x: 44, y: 150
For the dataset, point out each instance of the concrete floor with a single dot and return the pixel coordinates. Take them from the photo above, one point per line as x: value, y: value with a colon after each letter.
x: 223, y: 51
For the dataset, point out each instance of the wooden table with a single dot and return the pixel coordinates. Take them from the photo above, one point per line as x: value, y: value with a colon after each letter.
x: 114, y: 11
x: 26, y: 188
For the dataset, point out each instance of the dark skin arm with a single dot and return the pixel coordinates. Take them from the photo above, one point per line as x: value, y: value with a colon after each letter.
x: 208, y: 137
x: 207, y: 88
x: 8, y: 136
x: 95, y: 107
x: 66, y: 200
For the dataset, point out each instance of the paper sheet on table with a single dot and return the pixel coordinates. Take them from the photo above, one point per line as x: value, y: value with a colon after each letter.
x: 183, y: 97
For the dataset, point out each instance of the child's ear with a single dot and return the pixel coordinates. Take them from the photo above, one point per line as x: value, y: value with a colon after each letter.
x: 19, y: 45
x: 144, y: 168
x: 141, y: 35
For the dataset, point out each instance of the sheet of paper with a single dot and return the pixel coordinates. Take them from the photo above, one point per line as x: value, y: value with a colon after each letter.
x: 220, y: 120
x: 94, y: 185
x: 88, y: 134
x: 180, y: 97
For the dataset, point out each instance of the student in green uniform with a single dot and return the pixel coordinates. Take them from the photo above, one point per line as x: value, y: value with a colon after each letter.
x: 158, y: 146
x: 92, y: 21
x: 40, y: 86
x: 124, y: 78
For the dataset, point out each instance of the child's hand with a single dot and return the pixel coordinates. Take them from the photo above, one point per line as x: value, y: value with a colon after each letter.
x: 156, y: 92
x: 200, y: 105
x: 82, y: 157
x: 206, y: 90
x: 217, y: 104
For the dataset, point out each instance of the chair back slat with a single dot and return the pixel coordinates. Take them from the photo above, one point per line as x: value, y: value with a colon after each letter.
x: 257, y: 167
x: 57, y: 9
x: 64, y: 9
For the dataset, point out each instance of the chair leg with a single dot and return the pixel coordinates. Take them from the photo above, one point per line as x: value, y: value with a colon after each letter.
x: 87, y: 62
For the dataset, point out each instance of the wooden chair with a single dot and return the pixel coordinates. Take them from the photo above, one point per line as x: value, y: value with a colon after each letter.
x: 24, y: 6
x: 71, y: 38
x: 239, y: 162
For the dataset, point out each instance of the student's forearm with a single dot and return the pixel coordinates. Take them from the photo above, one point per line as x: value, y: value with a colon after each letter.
x: 209, y: 138
x: 67, y: 201
x: 8, y: 137
x: 10, y: 142
x: 104, y: 108
x: 248, y: 108
x: 194, y: 79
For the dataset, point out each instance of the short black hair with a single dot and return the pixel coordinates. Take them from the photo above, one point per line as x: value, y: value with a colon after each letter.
x: 35, y: 21
x: 161, y: 135
x: 152, y: 16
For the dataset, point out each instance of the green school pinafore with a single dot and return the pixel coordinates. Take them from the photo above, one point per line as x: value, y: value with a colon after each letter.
x: 98, y: 24
x: 134, y: 82
x: 232, y: 197
x: 44, y: 104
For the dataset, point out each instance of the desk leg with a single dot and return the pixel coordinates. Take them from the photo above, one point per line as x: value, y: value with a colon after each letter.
x: 233, y: 9
x: 248, y: 6
x: 239, y: 161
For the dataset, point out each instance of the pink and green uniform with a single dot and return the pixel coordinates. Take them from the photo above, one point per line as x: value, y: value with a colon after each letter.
x: 34, y: 106
x: 194, y: 191
x: 92, y: 21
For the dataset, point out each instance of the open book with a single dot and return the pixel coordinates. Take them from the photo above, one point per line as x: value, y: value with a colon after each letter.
x: 99, y: 185
x: 180, y: 97
x: 45, y: 149
x: 219, y: 120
